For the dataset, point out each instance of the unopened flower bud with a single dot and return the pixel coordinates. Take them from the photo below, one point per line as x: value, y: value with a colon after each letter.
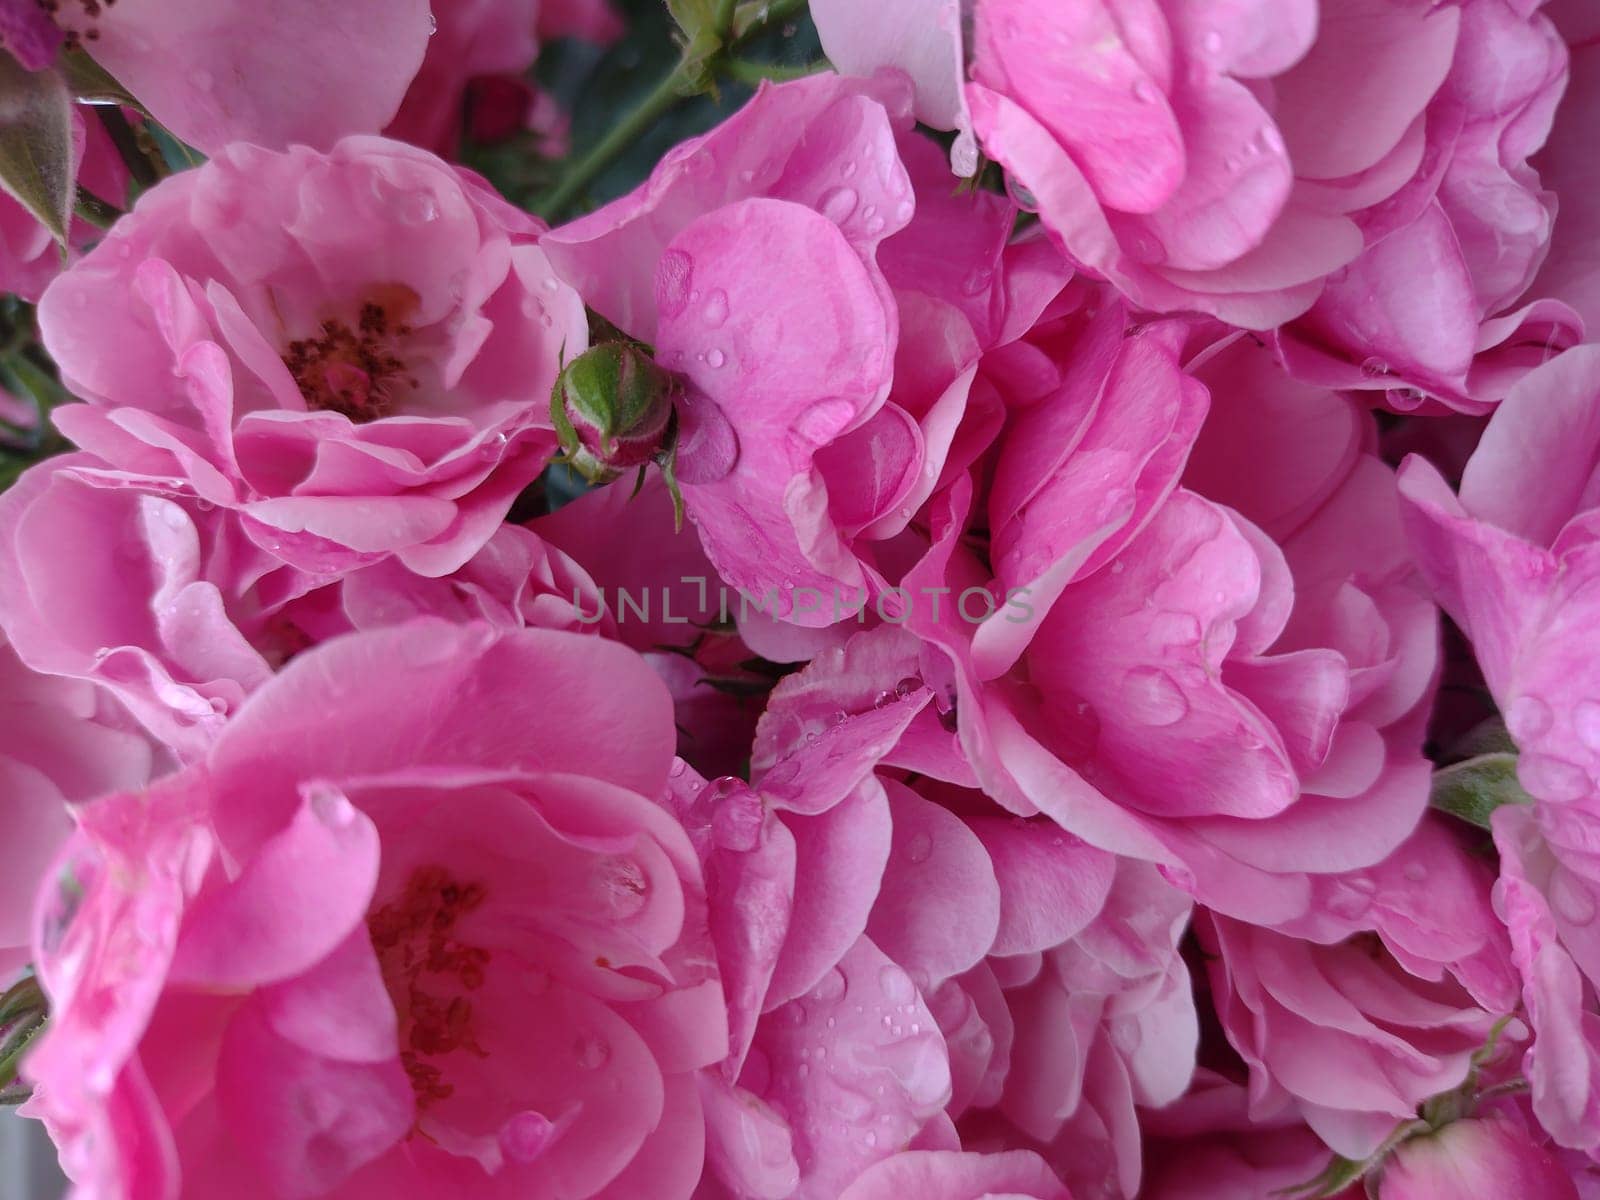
x: 612, y: 408
x: 1479, y: 1159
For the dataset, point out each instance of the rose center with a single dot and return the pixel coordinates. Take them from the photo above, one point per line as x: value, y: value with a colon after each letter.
x: 430, y: 974
x: 357, y: 371
x: 76, y: 27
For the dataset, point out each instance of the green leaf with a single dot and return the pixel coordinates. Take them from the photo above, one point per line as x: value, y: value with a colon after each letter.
x: 1473, y: 789
x: 36, y: 143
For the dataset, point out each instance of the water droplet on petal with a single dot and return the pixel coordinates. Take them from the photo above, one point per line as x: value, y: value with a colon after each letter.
x: 977, y: 281
x: 715, y: 358
x: 1528, y: 718
x: 525, y: 1136
x: 896, y: 984
x: 920, y: 847
x: 591, y: 1051
x: 1586, y: 721
x: 819, y: 423
x: 1570, y: 898
x: 1374, y: 367
x: 1154, y: 696
x: 330, y: 806
x: 1554, y: 779
x: 831, y: 988
x: 715, y: 311
x: 838, y: 203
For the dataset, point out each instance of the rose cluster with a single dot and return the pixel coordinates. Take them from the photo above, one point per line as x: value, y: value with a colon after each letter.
x: 1021, y: 618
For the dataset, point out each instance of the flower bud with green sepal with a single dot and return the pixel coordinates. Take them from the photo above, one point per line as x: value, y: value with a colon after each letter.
x: 613, y: 410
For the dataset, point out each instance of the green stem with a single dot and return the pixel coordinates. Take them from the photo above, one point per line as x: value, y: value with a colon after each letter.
x: 1511, y: 1087
x: 98, y: 212
x: 754, y: 16
x: 123, y: 136
x: 735, y: 23
x: 742, y: 70
x: 579, y: 175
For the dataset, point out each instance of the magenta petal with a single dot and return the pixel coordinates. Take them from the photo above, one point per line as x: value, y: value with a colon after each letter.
x: 938, y: 908
x: 262, y: 71
x: 244, y: 934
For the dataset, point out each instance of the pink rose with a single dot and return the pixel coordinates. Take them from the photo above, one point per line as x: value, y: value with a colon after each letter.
x: 1474, y: 1160
x: 1463, y: 240
x: 276, y: 73
x: 824, y: 1020
x: 1572, y: 271
x: 61, y: 743
x: 407, y: 929
x: 749, y: 260
x: 1049, y: 968
x: 354, y: 350
x: 1512, y: 559
x: 169, y: 606
x: 1097, y: 1020
x: 1345, y: 1035
x: 1238, y: 160
x: 946, y: 1175
x: 1183, y: 685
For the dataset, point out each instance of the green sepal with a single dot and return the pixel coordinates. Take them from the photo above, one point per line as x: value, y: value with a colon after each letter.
x: 36, y: 166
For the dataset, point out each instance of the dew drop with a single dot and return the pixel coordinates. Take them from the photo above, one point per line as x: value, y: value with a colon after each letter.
x: 897, y: 985
x: 417, y: 208
x: 525, y: 1136
x: 838, y: 203
x: 920, y: 847
x: 1586, y: 720
x: 1571, y: 899
x: 830, y: 988
x: 1154, y: 696
x: 591, y: 1051
x: 330, y: 806
x: 1554, y: 779
x: 977, y: 281
x: 1528, y: 718
x: 715, y: 311
x: 1374, y: 367
x: 819, y: 423
x: 715, y: 358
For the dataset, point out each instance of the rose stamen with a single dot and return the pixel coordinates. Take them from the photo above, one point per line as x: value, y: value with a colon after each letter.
x: 355, y: 371
x: 428, y: 972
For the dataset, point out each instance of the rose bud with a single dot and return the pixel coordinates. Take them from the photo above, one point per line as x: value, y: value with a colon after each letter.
x: 1487, y: 1159
x: 612, y: 408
